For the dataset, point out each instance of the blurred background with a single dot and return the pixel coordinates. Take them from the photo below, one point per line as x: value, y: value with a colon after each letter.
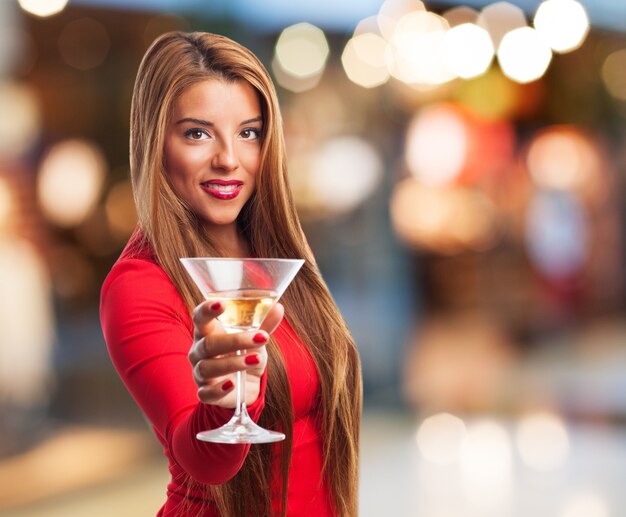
x: 459, y: 169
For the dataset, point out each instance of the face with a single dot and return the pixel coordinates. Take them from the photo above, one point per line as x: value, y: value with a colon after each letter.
x: 212, y: 148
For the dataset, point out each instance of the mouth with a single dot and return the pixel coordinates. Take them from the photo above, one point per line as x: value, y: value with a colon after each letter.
x: 222, y: 189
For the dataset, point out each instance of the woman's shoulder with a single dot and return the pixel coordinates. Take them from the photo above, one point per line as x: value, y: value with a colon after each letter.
x: 137, y: 272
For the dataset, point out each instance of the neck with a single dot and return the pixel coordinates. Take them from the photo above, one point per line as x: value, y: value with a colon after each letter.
x: 229, y: 241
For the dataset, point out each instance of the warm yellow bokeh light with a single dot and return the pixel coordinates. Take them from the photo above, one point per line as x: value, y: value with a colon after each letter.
x: 614, y: 74
x: 20, y: 121
x: 302, y: 50
x: 120, y: 210
x: 564, y: 24
x: 43, y: 8
x: 27, y: 329
x: 367, y: 26
x: 499, y: 18
x: 6, y: 205
x: 363, y: 60
x: 415, y: 53
x: 542, y: 441
x: 447, y: 220
x: 292, y: 83
x: 562, y: 159
x: 439, y: 438
x: 467, y: 50
x: 70, y: 181
x: 523, y: 55
x: 391, y: 11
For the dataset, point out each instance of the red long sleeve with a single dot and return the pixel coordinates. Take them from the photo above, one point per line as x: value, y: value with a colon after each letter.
x: 148, y: 331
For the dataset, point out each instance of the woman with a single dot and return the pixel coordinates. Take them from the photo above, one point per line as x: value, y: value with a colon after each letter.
x: 209, y: 176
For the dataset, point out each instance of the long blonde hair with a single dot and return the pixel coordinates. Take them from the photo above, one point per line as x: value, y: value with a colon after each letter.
x: 270, y: 224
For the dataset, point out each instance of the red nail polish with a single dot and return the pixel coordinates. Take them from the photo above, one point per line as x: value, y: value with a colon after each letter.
x: 216, y: 306
x: 252, y: 359
x: 259, y: 338
x: 227, y: 385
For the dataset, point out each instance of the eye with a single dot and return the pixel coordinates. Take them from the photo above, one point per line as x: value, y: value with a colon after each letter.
x: 196, y: 134
x: 250, y: 133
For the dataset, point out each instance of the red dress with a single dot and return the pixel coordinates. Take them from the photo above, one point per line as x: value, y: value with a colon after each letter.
x: 148, y: 331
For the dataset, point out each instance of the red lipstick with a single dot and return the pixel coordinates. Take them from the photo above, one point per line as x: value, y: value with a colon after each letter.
x: 222, y: 189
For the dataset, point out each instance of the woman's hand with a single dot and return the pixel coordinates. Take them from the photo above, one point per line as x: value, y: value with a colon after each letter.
x: 214, y: 360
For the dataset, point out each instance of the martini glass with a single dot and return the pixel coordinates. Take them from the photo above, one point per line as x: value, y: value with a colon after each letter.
x: 248, y: 289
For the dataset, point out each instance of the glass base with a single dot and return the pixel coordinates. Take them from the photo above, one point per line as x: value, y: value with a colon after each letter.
x: 240, y: 429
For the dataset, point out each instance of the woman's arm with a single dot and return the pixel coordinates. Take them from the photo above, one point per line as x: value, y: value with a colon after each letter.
x: 149, y: 333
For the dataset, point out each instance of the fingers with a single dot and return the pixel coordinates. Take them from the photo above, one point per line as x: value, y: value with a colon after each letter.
x: 215, y: 378
x: 204, y: 318
x: 212, y: 394
x: 209, y: 371
x: 219, y: 344
x: 215, y: 355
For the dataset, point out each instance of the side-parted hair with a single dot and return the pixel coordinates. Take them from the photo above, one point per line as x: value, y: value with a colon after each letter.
x: 270, y: 224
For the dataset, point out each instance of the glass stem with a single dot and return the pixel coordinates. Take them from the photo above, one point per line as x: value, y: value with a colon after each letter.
x: 240, y: 409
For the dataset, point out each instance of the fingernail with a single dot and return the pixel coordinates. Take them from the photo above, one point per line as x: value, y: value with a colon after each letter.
x: 227, y: 385
x: 252, y: 359
x: 259, y: 338
x: 216, y: 306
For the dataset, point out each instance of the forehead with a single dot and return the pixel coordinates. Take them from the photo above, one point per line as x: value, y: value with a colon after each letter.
x: 212, y: 98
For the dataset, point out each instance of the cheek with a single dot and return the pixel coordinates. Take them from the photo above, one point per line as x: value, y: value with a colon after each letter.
x: 181, y: 164
x: 251, y: 161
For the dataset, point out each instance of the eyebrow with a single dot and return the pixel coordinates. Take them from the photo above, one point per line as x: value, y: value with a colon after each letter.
x: 208, y: 123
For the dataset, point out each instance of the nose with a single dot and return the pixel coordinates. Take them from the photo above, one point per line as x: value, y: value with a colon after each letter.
x: 225, y: 158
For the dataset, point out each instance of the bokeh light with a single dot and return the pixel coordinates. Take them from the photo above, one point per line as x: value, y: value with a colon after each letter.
x: 43, y: 8
x: 6, y: 205
x: 437, y: 145
x: 491, y: 96
x: 562, y: 23
x: 500, y: 18
x: 391, y: 11
x: 415, y: 53
x: 460, y: 15
x: 300, y: 56
x: 70, y: 180
x: 363, y: 60
x: 27, y: 329
x: 562, y: 158
x: 162, y: 23
x: 486, y: 462
x: 17, y: 49
x: 439, y: 438
x: 120, y: 210
x: 523, y: 55
x: 543, y: 441
x: 614, y: 74
x: 467, y: 50
x: 586, y: 503
x: 557, y: 233
x: 84, y: 43
x: 344, y: 172
x: 20, y: 120
x: 446, y: 220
